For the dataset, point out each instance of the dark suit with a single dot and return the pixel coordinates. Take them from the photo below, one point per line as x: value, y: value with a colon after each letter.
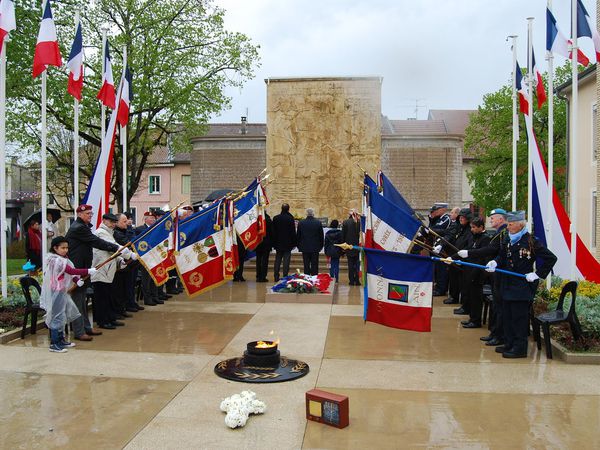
x: 283, y: 240
x: 263, y: 250
x: 310, y: 242
x: 81, y: 242
x: 351, y: 235
x: 149, y: 288
x: 518, y: 293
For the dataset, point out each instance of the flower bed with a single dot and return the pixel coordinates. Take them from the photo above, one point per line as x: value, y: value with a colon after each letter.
x: 588, y: 312
x: 12, y: 308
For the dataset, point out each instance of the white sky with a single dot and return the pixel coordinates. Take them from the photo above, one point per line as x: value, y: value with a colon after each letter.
x: 443, y: 54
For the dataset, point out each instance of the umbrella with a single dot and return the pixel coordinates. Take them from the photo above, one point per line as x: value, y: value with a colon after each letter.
x: 214, y: 195
x: 37, y: 216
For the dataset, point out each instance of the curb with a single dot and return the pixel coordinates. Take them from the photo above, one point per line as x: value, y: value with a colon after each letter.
x: 572, y: 357
x: 15, y: 333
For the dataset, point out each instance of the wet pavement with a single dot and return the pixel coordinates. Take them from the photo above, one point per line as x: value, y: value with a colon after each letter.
x: 150, y: 384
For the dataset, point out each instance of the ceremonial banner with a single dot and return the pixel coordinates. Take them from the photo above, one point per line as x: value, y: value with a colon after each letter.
x: 155, y: 249
x: 231, y: 248
x: 368, y: 186
x: 398, y: 290
x: 249, y: 218
x: 200, y: 261
x: 389, y: 192
x: 389, y: 227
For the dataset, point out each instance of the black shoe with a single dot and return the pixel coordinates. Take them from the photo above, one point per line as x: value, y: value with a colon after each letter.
x: 131, y: 309
x: 514, y: 355
x: 472, y: 325
x: 501, y: 349
x: 126, y: 315
x: 107, y: 326
x: 460, y: 311
x: 487, y: 338
x: 172, y: 292
x: 494, y: 342
x: 139, y: 308
x: 450, y: 301
x: 464, y: 322
x: 242, y: 279
x: 116, y: 323
x: 159, y: 302
x: 437, y: 294
x: 150, y: 303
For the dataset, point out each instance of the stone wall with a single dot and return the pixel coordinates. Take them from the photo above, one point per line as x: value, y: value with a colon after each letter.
x: 320, y: 132
x: 425, y: 171
x: 225, y: 164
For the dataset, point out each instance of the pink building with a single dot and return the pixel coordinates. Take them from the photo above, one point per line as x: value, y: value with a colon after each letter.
x: 165, y: 182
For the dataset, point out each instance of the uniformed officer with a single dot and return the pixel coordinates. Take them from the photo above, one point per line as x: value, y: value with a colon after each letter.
x: 519, y: 255
x: 439, y: 221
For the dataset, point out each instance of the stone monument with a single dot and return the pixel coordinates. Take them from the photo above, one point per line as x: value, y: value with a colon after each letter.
x: 320, y: 133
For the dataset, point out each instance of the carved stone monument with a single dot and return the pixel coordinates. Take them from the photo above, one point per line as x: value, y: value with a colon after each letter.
x: 320, y: 133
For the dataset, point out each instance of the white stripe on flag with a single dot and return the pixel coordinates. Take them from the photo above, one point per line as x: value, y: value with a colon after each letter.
x: 418, y: 295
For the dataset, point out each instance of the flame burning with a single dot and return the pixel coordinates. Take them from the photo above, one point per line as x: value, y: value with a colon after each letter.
x: 268, y: 344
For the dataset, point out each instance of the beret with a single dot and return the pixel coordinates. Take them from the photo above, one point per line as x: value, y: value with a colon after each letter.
x: 82, y: 208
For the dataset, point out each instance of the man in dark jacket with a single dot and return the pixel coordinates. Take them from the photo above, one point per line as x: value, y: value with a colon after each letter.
x: 81, y: 242
x: 263, y: 250
x: 124, y: 292
x: 351, y: 235
x: 283, y: 240
x: 310, y: 241
x: 520, y: 254
x: 459, y: 285
x: 149, y: 288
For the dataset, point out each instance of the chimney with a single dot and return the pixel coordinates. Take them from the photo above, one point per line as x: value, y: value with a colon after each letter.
x: 243, y: 130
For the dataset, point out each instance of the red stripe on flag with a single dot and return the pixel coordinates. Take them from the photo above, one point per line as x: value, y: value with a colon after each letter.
x: 107, y: 95
x: 399, y: 316
x: 207, y: 276
x: 74, y: 87
x: 46, y: 54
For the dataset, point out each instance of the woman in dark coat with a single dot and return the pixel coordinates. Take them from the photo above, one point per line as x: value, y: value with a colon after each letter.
x: 332, y: 237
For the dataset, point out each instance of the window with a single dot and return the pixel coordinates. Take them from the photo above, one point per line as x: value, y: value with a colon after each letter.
x: 594, y: 218
x: 594, y: 132
x: 154, y: 209
x: 186, y: 183
x: 154, y: 184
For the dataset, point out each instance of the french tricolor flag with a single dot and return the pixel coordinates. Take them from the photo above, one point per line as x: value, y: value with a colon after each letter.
x: 75, y: 65
x: 586, y: 28
x: 539, y: 85
x: 557, y: 43
x: 126, y: 95
x: 47, y: 52
x: 107, y: 91
x: 7, y: 19
x: 521, y: 91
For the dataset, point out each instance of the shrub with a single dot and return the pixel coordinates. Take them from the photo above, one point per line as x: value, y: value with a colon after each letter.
x: 16, y: 250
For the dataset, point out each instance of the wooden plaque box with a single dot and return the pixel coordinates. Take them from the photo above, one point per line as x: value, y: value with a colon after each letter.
x: 328, y: 408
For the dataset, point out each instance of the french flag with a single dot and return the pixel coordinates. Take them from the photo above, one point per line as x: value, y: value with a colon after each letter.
x: 249, y: 217
x: 586, y: 28
x: 126, y: 96
x: 539, y: 85
x: 107, y: 92
x: 389, y: 191
x: 7, y: 19
x: 522, y: 91
x: 558, y: 44
x: 47, y: 52
x: 398, y: 290
x: 75, y: 65
x: 560, y: 244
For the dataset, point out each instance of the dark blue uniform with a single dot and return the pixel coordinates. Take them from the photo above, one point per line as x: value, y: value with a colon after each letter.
x: 517, y: 293
x: 440, y: 226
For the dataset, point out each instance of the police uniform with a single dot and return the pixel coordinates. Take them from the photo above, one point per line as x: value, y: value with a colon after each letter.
x: 440, y: 225
x: 518, y: 293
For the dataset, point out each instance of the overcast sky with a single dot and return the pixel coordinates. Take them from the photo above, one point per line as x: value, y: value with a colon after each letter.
x: 439, y: 54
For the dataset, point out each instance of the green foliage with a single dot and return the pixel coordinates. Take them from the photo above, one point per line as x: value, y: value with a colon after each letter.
x: 488, y: 139
x: 16, y: 250
x: 181, y: 59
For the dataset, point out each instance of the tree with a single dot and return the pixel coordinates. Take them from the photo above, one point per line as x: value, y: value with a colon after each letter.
x: 181, y: 58
x: 488, y: 139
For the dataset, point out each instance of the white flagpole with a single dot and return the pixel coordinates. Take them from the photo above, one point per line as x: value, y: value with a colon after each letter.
x: 3, y: 223
x: 549, y: 207
x: 123, y: 136
x: 76, y: 141
x: 44, y: 223
x: 530, y: 144
x: 515, y: 128
x: 573, y: 146
x: 103, y: 108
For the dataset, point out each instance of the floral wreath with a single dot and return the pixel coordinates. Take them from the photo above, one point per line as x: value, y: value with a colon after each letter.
x: 301, y: 283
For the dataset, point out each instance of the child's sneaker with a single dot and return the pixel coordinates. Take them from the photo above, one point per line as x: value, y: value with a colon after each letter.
x: 57, y: 348
x: 65, y: 344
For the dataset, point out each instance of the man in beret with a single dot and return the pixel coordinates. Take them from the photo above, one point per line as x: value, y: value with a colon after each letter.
x: 81, y: 244
x: 498, y: 241
x: 522, y: 251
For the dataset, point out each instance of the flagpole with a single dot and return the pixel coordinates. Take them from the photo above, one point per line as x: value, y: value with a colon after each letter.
x: 550, y: 58
x: 76, y: 140
x: 515, y: 117
x: 123, y: 136
x: 102, y: 107
x: 3, y: 224
x: 43, y: 169
x: 573, y: 146
x: 530, y: 144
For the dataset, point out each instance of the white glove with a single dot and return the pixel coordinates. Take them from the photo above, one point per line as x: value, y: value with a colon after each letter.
x: 531, y: 277
x: 80, y: 282
x: 126, y: 253
x: 447, y: 261
x: 122, y: 264
x: 134, y: 256
x: 463, y: 253
x: 491, y: 266
x: 92, y: 271
x: 437, y: 249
